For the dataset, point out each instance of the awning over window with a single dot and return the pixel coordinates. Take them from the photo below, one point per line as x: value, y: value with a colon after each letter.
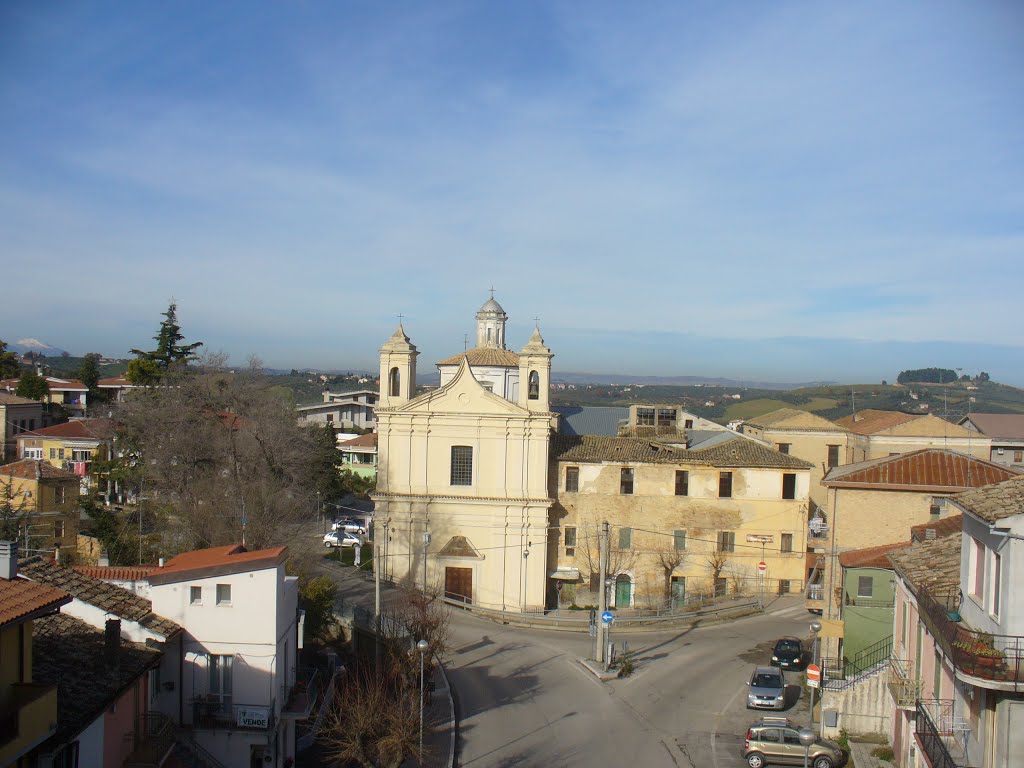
x: 568, y: 574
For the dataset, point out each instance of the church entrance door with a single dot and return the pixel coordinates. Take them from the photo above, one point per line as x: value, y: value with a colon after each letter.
x: 458, y: 584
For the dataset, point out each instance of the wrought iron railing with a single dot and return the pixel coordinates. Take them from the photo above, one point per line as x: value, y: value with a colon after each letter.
x: 152, y: 740
x: 903, y: 685
x: 975, y: 653
x: 840, y: 674
x: 936, y: 732
x: 299, y: 701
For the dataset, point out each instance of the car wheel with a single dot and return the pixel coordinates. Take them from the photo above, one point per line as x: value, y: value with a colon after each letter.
x: 822, y: 762
x: 755, y: 760
x: 327, y: 544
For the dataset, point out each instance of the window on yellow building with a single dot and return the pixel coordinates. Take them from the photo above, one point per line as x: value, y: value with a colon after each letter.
x: 787, y: 542
x: 788, y: 486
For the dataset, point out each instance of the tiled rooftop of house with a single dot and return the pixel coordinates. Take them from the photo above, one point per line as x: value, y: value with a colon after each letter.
x: 6, y: 398
x: 1007, y: 426
x: 107, y: 597
x: 994, y: 502
x: 233, y: 558
x: 794, y: 418
x: 368, y: 440
x: 21, y: 599
x: 35, y: 469
x: 87, y: 429
x: 69, y: 653
x: 928, y: 469
x: 737, y: 452
x: 931, y: 565
x: 871, y: 557
x: 946, y: 526
x: 116, y: 572
x: 870, y: 420
x: 501, y: 358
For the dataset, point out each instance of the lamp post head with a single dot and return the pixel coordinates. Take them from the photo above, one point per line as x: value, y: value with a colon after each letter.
x: 815, y: 626
x: 807, y: 737
x: 422, y: 646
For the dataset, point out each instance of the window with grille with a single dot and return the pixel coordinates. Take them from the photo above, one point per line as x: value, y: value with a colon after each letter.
x: 682, y: 482
x: 462, y: 465
x: 645, y: 417
x: 788, y: 486
x: 726, y: 541
x: 625, y: 538
x: 626, y: 481
x: 679, y: 540
x: 572, y: 479
x: 725, y: 485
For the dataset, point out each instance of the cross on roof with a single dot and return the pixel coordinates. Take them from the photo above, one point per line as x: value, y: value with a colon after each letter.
x: 465, y: 342
x: 536, y: 320
x: 491, y: 289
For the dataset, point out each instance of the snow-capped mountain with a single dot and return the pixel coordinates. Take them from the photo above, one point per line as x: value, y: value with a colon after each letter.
x: 35, y: 345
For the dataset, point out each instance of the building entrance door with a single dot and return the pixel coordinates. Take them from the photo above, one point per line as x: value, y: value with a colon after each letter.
x: 623, y: 590
x: 458, y: 584
x: 678, y: 591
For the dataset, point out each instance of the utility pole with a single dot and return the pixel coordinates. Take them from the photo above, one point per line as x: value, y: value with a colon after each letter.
x: 602, y: 602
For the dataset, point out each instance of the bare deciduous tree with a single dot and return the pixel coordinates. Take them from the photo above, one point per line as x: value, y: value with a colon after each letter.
x: 717, y: 560
x: 669, y: 559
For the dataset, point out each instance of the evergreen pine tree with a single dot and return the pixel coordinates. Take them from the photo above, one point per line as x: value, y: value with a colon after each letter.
x: 8, y: 362
x: 169, y: 352
x: 32, y: 386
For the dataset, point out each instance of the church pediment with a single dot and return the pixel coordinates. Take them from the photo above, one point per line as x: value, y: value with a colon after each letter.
x: 459, y: 546
x: 464, y: 395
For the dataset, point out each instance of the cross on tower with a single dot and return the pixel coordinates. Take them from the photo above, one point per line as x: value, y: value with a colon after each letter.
x: 491, y: 289
x: 536, y: 321
x: 400, y: 318
x: 465, y: 342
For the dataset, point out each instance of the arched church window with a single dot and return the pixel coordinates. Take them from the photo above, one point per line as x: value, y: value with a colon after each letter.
x: 393, y: 382
x: 488, y: 335
x: 534, y: 391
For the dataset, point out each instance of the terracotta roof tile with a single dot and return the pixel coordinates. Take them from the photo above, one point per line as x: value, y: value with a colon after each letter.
x: 870, y: 421
x: 8, y: 399
x: 233, y: 558
x: 368, y: 440
x: 484, y: 356
x: 871, y: 557
x: 87, y: 429
x: 931, y: 565
x: 107, y: 597
x: 1008, y: 426
x: 737, y: 452
x: 793, y: 418
x: 994, y: 502
x: 69, y: 653
x: 935, y: 469
x: 20, y: 598
x: 116, y: 572
x: 35, y: 469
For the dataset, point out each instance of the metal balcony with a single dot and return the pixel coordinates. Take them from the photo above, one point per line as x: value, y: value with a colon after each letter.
x: 303, y: 695
x: 940, y: 735
x: 904, y: 689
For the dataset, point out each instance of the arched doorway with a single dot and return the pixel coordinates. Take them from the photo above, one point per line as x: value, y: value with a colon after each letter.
x: 623, y: 590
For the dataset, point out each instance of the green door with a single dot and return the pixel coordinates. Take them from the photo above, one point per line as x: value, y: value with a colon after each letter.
x: 623, y: 588
x: 678, y: 591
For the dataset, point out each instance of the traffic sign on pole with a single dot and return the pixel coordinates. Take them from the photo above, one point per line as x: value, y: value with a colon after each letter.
x: 762, y: 566
x: 607, y: 617
x: 813, y: 675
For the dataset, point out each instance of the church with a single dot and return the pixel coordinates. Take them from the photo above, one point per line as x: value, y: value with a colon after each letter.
x: 462, y: 490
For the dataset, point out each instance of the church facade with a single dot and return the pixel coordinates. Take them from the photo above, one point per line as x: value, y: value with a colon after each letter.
x: 462, y: 490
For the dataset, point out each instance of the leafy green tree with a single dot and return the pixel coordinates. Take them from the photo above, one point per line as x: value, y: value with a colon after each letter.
x: 169, y: 352
x: 89, y: 374
x: 926, y: 376
x: 317, y: 598
x: 8, y: 362
x: 983, y: 376
x: 32, y: 386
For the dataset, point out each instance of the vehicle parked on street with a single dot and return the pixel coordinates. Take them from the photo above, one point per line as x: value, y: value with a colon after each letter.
x: 789, y: 653
x: 340, y: 539
x: 776, y: 741
x: 349, y: 525
x: 767, y: 689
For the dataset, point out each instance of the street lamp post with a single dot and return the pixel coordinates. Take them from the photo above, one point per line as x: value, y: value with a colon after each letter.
x: 526, y: 576
x: 807, y: 739
x: 422, y: 646
x: 815, y: 628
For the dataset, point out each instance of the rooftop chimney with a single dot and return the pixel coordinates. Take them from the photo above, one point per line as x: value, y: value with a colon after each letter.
x: 8, y: 559
x: 104, y: 559
x: 111, y: 642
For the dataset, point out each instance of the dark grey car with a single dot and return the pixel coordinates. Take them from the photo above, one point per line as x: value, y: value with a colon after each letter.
x: 767, y: 689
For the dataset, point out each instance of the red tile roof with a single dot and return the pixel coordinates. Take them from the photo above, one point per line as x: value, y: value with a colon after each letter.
x: 947, y: 526
x: 116, y: 572
x: 870, y: 421
x: 362, y: 441
x: 35, y: 469
x: 484, y: 356
x: 115, y: 381
x: 934, y: 469
x: 233, y: 558
x: 79, y: 429
x: 871, y: 557
x: 21, y: 598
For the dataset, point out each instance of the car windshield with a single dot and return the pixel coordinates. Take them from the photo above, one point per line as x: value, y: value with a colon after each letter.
x: 766, y: 681
x: 787, y: 645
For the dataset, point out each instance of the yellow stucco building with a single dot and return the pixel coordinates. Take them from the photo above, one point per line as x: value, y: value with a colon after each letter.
x: 41, y: 501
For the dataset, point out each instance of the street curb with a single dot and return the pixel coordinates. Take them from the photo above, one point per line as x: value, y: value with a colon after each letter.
x: 453, y: 731
x: 596, y: 670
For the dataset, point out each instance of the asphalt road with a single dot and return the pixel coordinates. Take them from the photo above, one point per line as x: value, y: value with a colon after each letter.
x: 524, y: 698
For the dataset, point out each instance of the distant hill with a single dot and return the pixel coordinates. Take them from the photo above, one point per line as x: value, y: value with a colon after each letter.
x: 35, y: 345
x: 677, y: 381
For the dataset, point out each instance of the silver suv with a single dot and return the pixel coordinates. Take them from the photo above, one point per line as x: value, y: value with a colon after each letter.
x: 776, y: 741
x: 767, y: 689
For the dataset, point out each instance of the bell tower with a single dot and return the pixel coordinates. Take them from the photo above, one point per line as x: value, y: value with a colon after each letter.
x: 490, y: 325
x: 397, y: 369
x: 535, y: 374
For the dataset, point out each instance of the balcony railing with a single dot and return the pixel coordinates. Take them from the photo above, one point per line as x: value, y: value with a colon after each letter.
x: 974, y: 653
x: 210, y: 714
x: 840, y: 674
x: 152, y: 741
x: 303, y: 695
x: 938, y: 733
x: 868, y: 602
x: 903, y: 687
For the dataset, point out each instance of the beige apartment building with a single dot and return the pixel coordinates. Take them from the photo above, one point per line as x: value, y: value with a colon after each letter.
x: 685, y: 518
x: 818, y: 441
x: 875, y: 434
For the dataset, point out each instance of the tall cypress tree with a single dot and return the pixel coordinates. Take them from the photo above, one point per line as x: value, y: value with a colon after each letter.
x: 169, y: 350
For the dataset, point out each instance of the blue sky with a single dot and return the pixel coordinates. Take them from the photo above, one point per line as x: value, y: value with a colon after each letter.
x: 779, y: 191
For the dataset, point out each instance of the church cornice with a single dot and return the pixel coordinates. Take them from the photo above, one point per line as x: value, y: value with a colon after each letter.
x: 393, y: 496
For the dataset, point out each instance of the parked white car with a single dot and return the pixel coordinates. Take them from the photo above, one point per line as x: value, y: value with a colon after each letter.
x: 349, y: 525
x: 340, y: 539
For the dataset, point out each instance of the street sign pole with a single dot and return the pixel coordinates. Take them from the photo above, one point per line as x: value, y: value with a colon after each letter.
x: 602, y: 601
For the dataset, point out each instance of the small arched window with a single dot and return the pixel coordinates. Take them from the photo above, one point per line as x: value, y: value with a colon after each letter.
x: 393, y: 382
x: 534, y: 390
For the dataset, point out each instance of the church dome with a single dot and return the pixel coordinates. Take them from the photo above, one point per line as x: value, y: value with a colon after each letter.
x: 492, y: 306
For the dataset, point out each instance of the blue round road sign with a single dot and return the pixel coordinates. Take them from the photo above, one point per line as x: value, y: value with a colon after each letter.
x: 607, y: 617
